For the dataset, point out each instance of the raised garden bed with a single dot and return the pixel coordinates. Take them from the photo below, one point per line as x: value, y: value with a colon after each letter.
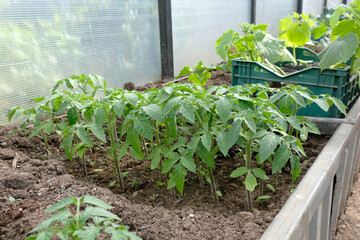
x: 149, y: 209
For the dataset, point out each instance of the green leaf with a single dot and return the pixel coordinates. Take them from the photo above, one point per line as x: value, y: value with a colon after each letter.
x: 298, y: 98
x: 285, y: 105
x: 62, y: 107
x: 88, y: 232
x: 178, y: 176
x: 339, y: 104
x: 97, y: 202
x: 294, y: 122
x: 61, y: 204
x: 250, y: 182
x: 223, y: 43
x: 261, y: 198
x: 119, y: 107
x: 239, y: 172
x: 84, y: 136
x: 250, y: 123
x: 169, y: 163
x: 270, y: 48
x: 206, y: 140
x: 194, y: 79
x: 335, y: 16
x: 260, y: 174
x: 143, y: 127
x: 132, y: 98
x: 268, y: 145
x: 281, y: 157
x: 344, y: 27
x: 96, y: 211
x: 341, y: 50
x: 37, y: 129
x: 205, y: 156
x: 299, y: 34
x: 188, y: 111
x: 44, y: 236
x: 100, y: 117
x: 155, y: 157
x: 223, y: 108
x: 49, y: 127
x: 322, y: 103
x: 57, y: 217
x: 72, y: 116
x: 184, y: 71
x: 154, y: 111
x: 98, y: 132
x: 319, y: 31
x: 295, y: 167
x: 188, y: 163
x: 270, y: 187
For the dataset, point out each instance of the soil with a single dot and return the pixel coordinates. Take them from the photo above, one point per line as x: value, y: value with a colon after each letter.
x: 145, y: 207
x: 349, y: 223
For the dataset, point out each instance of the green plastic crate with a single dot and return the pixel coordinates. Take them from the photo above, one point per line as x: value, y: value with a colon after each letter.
x: 335, y: 82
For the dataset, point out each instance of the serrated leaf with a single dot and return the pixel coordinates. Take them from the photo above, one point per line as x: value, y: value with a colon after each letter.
x: 178, y: 176
x: 260, y: 174
x: 88, y: 232
x: 62, y: 107
x: 100, y: 117
x: 285, y: 105
x: 119, y: 107
x: 223, y: 108
x: 188, y: 111
x: 99, y: 133
x: 46, y: 235
x: 155, y: 157
x: 84, y: 136
x: 298, y: 98
x: 339, y: 104
x: 96, y: 211
x: 169, y: 163
x: 72, y: 116
x: 143, y: 127
x: 268, y: 145
x: 188, y: 163
x: 49, y: 127
x: 223, y: 43
x: 37, y: 129
x: 322, y: 103
x: 239, y: 172
x: 154, y: 111
x: 281, y: 157
x: 61, y: 204
x: 206, y: 140
x: 97, y: 202
x: 250, y: 123
x: 294, y: 122
x: 341, y: 50
x: 132, y: 98
x: 295, y: 167
x: 250, y: 182
x: 205, y: 156
x: 57, y: 217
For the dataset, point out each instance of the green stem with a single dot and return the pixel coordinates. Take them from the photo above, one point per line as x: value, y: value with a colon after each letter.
x: 212, y: 184
x: 353, y: 61
x: 158, y: 144
x: 294, y: 54
x: 144, y: 145
x: 291, y: 129
x: 115, y: 158
x: 84, y: 165
x: 46, y: 143
x: 261, y: 183
x: 248, y: 166
x: 201, y: 180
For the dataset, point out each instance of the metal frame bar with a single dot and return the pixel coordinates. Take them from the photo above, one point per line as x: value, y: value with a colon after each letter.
x: 313, y: 209
x: 253, y: 12
x: 344, y: 2
x: 299, y: 7
x: 325, y: 5
x: 166, y: 43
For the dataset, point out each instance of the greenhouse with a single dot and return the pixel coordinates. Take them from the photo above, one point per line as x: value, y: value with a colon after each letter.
x: 160, y: 119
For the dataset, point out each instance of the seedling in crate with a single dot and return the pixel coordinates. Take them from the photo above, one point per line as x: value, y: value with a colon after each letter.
x: 86, y: 224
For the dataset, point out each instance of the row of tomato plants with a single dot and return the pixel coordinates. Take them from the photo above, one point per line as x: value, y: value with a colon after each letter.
x: 180, y: 128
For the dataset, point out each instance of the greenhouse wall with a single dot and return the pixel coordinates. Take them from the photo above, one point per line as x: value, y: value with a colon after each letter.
x: 313, y: 7
x: 270, y: 12
x: 198, y: 24
x: 44, y: 41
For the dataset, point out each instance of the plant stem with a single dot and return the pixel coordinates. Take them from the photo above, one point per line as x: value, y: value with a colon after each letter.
x: 84, y: 165
x: 115, y: 158
x: 144, y: 145
x: 46, y: 143
x: 201, y: 180
x: 248, y: 166
x: 212, y: 184
x: 294, y: 54
x: 158, y: 144
x: 291, y: 129
x: 353, y: 61
x: 261, y: 182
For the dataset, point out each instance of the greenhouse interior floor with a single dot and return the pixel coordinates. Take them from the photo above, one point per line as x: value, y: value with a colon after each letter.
x: 349, y: 223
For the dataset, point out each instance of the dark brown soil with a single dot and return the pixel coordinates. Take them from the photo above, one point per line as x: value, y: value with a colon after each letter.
x: 147, y: 208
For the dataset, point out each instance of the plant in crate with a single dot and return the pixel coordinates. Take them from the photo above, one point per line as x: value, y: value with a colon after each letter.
x: 87, y: 224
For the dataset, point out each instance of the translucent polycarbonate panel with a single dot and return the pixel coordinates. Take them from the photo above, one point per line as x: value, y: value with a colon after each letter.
x: 334, y: 3
x: 42, y: 41
x: 198, y: 24
x: 315, y: 7
x: 270, y: 12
